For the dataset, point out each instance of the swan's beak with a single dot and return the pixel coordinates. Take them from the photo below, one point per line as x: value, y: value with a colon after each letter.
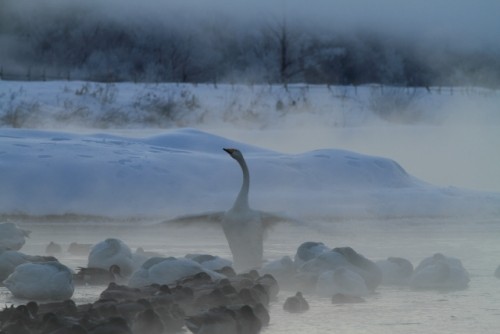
x: 229, y: 150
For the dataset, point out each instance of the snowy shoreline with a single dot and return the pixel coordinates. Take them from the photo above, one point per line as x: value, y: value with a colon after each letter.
x: 185, y: 171
x: 81, y: 104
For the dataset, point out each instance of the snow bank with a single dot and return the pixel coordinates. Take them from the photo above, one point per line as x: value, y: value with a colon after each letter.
x: 186, y: 171
x: 60, y: 104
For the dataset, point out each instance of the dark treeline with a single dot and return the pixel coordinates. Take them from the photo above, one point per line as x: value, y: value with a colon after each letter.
x: 81, y: 44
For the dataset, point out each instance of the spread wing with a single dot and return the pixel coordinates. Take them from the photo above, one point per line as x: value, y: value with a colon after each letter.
x: 212, y: 218
x: 269, y: 219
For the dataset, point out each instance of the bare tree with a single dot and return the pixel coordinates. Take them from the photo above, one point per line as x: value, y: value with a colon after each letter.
x: 287, y: 47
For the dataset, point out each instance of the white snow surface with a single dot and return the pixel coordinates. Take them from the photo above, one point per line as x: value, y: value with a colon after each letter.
x: 78, y: 150
x: 185, y: 171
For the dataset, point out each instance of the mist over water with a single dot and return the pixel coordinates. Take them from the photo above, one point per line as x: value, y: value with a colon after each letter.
x: 446, y: 136
x: 456, y: 156
x: 394, y: 309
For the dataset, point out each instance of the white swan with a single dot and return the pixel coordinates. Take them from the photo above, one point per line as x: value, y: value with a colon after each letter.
x: 111, y: 252
x: 395, y: 270
x: 362, y: 266
x: 160, y: 270
x: 440, y: 272
x: 283, y: 270
x: 341, y: 281
x: 140, y: 256
x: 210, y: 262
x: 12, y: 237
x: 10, y: 259
x: 40, y: 281
x: 309, y: 250
x: 243, y: 227
x: 323, y: 262
x: 341, y: 257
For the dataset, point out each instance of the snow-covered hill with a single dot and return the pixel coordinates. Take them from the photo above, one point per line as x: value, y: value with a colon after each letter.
x: 186, y: 171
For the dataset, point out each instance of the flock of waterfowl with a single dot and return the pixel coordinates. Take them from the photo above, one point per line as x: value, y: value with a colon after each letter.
x: 145, y: 292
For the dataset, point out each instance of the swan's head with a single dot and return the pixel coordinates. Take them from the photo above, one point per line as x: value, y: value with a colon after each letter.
x: 234, y: 153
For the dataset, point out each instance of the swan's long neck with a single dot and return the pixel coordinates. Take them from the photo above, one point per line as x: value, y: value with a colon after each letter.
x: 242, y: 199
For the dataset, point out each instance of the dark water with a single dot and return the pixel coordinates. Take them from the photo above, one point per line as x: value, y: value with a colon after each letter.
x: 389, y: 310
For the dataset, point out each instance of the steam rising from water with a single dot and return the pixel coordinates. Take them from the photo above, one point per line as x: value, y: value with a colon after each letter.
x: 460, y: 156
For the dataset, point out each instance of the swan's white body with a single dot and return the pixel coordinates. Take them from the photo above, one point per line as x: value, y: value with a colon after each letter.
x: 323, y: 262
x: 111, y: 252
x: 41, y: 281
x: 245, y: 235
x: 395, y: 270
x: 341, y: 281
x: 440, y: 272
x: 344, y: 257
x: 308, y: 251
x: 12, y: 237
x: 283, y: 270
x: 160, y: 270
x: 243, y: 227
x: 140, y: 256
x: 10, y: 259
